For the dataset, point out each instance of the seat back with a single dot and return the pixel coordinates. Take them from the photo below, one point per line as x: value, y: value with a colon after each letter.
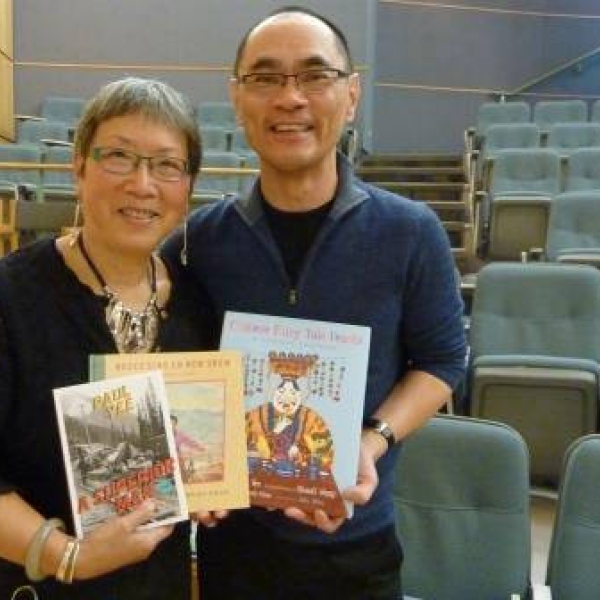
x: 526, y: 170
x: 583, y: 170
x: 547, y: 112
x: 22, y: 153
x: 567, y: 137
x: 214, y: 137
x: 573, y: 571
x: 574, y: 223
x: 493, y: 113
x: 510, y: 135
x: 216, y: 113
x: 535, y: 349
x: 58, y: 180
x: 536, y: 309
x: 462, y: 504
x: 215, y: 182
x: 34, y: 132
x: 65, y: 109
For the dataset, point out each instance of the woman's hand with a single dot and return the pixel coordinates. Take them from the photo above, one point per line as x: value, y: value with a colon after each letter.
x: 119, y: 542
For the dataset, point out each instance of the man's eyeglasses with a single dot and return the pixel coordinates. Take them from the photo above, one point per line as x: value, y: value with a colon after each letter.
x: 312, y: 81
x: 124, y: 162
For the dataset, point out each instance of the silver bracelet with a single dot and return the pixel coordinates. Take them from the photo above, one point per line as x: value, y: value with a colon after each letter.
x: 34, y: 550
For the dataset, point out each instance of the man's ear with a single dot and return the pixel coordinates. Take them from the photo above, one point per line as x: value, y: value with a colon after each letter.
x: 234, y: 91
x: 354, y: 90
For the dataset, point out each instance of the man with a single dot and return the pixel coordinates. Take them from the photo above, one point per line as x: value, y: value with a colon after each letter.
x: 312, y: 241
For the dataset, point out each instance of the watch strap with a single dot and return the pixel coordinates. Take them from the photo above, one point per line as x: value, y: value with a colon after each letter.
x: 382, y: 428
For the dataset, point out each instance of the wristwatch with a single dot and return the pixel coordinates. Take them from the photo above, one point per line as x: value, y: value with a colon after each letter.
x: 380, y: 427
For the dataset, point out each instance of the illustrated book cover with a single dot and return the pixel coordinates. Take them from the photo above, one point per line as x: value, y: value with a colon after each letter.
x: 119, y: 450
x: 304, y: 387
x: 205, y: 394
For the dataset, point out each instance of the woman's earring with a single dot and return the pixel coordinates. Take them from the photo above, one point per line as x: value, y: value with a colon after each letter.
x: 75, y: 229
x: 183, y: 253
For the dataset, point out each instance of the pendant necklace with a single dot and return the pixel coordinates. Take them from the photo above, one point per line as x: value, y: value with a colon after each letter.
x: 133, y: 331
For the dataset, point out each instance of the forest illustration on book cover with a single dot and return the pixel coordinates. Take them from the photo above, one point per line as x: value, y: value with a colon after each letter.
x: 119, y: 450
x: 304, y: 384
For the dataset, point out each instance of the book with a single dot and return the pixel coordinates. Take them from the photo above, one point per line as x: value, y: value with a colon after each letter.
x: 304, y: 387
x: 119, y: 450
x: 204, y: 391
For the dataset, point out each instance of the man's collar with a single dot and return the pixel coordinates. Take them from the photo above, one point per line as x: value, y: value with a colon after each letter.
x: 347, y: 194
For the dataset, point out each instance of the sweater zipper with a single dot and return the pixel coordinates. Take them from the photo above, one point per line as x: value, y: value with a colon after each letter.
x: 293, y: 296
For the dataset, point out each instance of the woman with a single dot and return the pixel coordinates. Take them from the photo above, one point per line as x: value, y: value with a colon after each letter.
x: 98, y: 290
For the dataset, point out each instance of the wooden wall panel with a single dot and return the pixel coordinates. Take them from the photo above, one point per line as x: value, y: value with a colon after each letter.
x: 6, y: 71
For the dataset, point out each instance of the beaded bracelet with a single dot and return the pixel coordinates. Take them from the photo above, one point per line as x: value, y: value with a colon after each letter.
x: 36, y: 546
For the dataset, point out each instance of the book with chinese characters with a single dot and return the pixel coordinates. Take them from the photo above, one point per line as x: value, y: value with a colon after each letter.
x: 304, y: 387
x: 204, y: 391
x: 119, y: 450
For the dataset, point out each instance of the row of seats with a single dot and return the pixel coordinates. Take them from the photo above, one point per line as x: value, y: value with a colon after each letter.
x: 544, y: 113
x: 514, y: 206
x: 50, y: 184
x: 467, y: 513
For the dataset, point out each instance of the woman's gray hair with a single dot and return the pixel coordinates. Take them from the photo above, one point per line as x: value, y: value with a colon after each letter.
x: 153, y: 99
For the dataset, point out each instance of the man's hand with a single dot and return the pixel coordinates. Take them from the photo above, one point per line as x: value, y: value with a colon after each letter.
x: 372, y: 446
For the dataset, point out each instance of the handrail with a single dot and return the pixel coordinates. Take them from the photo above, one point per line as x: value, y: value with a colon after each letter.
x: 29, y: 166
x: 552, y: 72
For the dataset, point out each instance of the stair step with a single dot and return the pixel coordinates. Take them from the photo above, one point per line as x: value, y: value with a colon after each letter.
x: 412, y: 159
x: 423, y: 185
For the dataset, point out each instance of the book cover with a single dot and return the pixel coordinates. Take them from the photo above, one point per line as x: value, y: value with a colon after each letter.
x: 304, y: 387
x: 119, y: 450
x: 204, y: 390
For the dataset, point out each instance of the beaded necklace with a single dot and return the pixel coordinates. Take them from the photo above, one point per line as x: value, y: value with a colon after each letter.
x: 133, y: 331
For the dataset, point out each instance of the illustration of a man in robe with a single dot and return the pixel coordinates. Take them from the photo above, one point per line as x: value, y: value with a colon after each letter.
x: 291, y: 436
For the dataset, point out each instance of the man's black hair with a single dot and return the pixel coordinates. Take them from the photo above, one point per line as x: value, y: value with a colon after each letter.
x: 340, y: 38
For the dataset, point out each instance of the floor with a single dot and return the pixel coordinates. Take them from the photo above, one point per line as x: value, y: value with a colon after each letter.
x: 542, y: 519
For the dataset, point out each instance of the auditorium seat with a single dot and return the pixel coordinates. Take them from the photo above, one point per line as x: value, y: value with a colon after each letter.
x: 502, y: 137
x: 65, y: 109
x: 218, y: 182
x: 516, y: 208
x: 565, y: 138
x: 494, y: 113
x: 58, y: 185
x: 573, y: 572
x: 574, y: 228
x: 461, y: 496
x: 42, y: 133
x: 216, y: 113
x: 535, y: 352
x: 548, y: 112
x: 215, y: 137
x: 20, y: 182
x: 583, y: 170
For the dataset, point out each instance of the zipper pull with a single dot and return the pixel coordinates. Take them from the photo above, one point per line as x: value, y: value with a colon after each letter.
x: 293, y: 296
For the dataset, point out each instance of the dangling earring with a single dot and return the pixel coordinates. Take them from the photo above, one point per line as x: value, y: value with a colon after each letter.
x: 183, y: 253
x: 75, y: 229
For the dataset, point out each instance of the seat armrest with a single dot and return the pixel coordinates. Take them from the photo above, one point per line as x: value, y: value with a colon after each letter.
x: 538, y: 362
x: 541, y: 592
x: 29, y: 118
x: 51, y: 142
x: 580, y: 256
